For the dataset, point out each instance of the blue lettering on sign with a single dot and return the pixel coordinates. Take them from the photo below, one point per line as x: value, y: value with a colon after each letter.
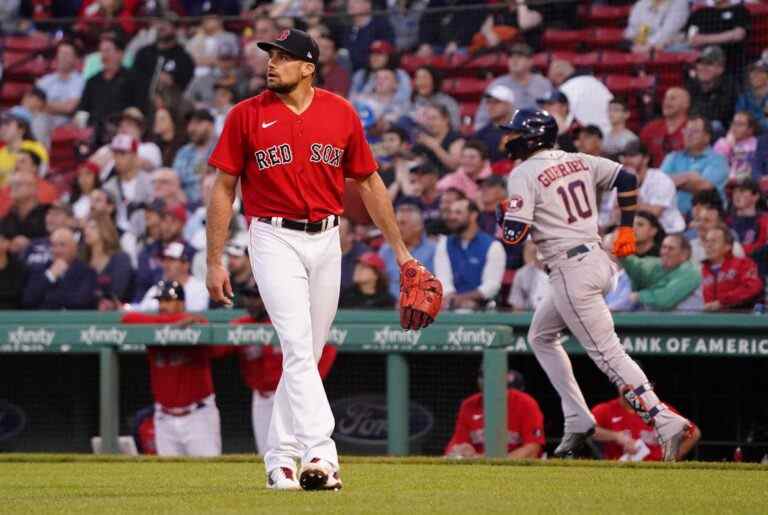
x: 12, y: 420
x: 363, y: 420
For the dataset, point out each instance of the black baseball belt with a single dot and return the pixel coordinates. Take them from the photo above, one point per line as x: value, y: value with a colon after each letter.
x: 572, y: 252
x: 296, y: 225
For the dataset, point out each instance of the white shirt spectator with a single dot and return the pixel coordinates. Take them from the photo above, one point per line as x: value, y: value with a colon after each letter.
x: 493, y: 271
x: 661, y: 20
x: 195, y: 297
x: 529, y: 288
x: 59, y: 89
x: 588, y: 100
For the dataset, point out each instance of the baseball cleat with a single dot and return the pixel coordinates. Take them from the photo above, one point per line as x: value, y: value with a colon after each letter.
x: 671, y: 446
x: 572, y: 444
x: 282, y: 478
x: 319, y: 475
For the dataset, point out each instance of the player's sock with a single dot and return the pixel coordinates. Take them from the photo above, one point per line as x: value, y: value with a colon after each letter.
x: 644, y: 401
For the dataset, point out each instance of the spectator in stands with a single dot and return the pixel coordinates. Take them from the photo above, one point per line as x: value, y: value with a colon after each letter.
x: 16, y: 133
x: 556, y: 104
x: 618, y: 137
x: 364, y: 30
x: 469, y: 262
x: 405, y: 17
x: 12, y: 271
x: 588, y: 98
x: 166, y: 135
x: 749, y: 224
x: 728, y: 282
x: 167, y: 187
x: 697, y: 167
x: 626, y: 437
x: 713, y: 93
x: 26, y: 218
x: 29, y: 159
x: 333, y: 76
x: 441, y: 144
x: 67, y: 283
x: 369, y: 288
x: 239, y: 266
x: 395, y: 159
x: 739, y: 145
x: 760, y: 159
x: 265, y: 29
x: 410, y: 221
x: 531, y: 284
x: 384, y: 100
x: 655, y: 24
x: 707, y: 217
x: 41, y: 123
x: 223, y: 101
x: 493, y: 189
x: 473, y: 167
x: 427, y: 89
x: 525, y: 423
x: 64, y: 85
x: 446, y: 30
x: 130, y: 186
x: 111, y: 90
x: 176, y: 262
x: 256, y: 71
x: 225, y: 70
x: 648, y: 233
x: 209, y: 38
x: 132, y: 123
x: 669, y: 282
x: 114, y: 273
x: 164, y: 62
x: 499, y: 101
x: 589, y: 140
x: 103, y: 202
x: 351, y: 249
x: 504, y: 26
x: 194, y: 229
x: 87, y: 181
x: 97, y: 16
x: 657, y: 193
x: 665, y: 134
x: 191, y: 160
x: 447, y: 198
x: 526, y: 85
x: 38, y: 252
x: 723, y: 23
x: 422, y: 190
x: 380, y: 57
x: 755, y: 98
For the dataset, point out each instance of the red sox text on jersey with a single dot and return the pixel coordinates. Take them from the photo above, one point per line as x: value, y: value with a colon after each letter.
x: 282, y: 155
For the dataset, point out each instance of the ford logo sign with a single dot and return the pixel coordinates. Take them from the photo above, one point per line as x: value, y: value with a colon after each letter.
x: 12, y: 420
x: 363, y: 420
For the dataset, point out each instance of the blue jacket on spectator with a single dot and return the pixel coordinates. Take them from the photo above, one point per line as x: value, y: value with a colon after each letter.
x: 758, y: 107
x: 357, y: 41
x: 710, y: 165
x: 76, y: 289
x: 760, y: 158
x: 148, y: 270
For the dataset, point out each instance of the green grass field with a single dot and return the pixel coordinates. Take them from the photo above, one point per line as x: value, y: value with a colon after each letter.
x: 235, y: 484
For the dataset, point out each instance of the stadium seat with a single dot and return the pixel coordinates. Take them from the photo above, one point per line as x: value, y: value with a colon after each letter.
x: 669, y: 68
x: 606, y: 37
x: 620, y: 62
x: 11, y: 92
x: 465, y: 88
x: 758, y: 32
x: 468, y: 109
x: 586, y: 61
x: 494, y: 64
x: 607, y: 15
x: 541, y: 61
x: 31, y: 43
x: 623, y: 85
x: 24, y: 65
x: 572, y: 40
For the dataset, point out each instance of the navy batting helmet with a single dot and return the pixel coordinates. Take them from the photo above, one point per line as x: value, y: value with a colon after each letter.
x: 536, y: 129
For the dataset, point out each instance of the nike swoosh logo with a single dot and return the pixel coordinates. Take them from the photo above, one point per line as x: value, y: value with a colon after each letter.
x: 615, y: 419
x: 476, y: 417
x: 268, y: 124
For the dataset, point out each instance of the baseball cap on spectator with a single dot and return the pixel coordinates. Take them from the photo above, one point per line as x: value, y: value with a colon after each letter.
x: 381, y: 47
x: 177, y: 211
x: 202, y: 114
x: 294, y: 42
x: 170, y: 290
x: 89, y: 166
x: 373, y: 260
x: 38, y: 154
x: 634, y: 148
x: 124, y: 143
x: 177, y: 250
x: 238, y: 245
x: 424, y: 168
x: 554, y: 96
x: 592, y: 130
x: 711, y: 55
x: 494, y: 181
x: 135, y: 115
x: 18, y: 114
x: 501, y: 93
x: 520, y: 49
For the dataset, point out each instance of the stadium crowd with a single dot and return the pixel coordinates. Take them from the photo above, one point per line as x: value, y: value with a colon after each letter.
x: 110, y: 118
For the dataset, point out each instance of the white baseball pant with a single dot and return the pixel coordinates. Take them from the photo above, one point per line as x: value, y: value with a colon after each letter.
x: 196, y: 434
x: 299, y: 277
x: 261, y: 413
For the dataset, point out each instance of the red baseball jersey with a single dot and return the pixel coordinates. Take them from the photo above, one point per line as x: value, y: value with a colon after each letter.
x: 613, y: 415
x: 180, y: 376
x: 525, y: 422
x: 293, y: 165
x: 262, y: 365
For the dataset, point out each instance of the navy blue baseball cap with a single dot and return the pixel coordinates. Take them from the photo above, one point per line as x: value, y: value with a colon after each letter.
x: 295, y: 42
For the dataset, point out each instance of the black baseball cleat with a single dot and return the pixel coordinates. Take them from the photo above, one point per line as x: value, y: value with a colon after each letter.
x: 317, y: 475
x: 573, y: 444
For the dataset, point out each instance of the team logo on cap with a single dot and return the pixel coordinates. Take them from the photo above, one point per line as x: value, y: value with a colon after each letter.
x: 515, y: 203
x: 283, y: 35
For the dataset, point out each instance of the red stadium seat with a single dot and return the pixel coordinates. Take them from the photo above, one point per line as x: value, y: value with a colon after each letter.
x: 623, y: 85
x: 585, y: 61
x: 572, y: 40
x: 620, y: 62
x: 608, y: 15
x: 11, y: 92
x: 468, y: 109
x: 410, y: 62
x: 758, y: 32
x: 606, y: 37
x: 541, y: 61
x: 493, y: 64
x: 24, y: 65
x: 669, y: 68
x: 35, y: 43
x: 465, y: 88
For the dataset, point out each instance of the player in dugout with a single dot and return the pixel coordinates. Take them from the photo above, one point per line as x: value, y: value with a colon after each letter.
x: 525, y: 423
x: 186, y: 416
x: 262, y: 365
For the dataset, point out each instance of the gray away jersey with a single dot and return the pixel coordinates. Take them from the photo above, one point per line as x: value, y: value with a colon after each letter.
x: 555, y: 192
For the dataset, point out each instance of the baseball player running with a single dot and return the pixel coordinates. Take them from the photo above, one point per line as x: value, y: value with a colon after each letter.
x: 262, y: 365
x: 552, y: 194
x: 186, y: 417
x: 292, y: 147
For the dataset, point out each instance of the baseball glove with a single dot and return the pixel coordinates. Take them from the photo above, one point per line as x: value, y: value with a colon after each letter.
x: 421, y: 296
x: 624, y: 245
